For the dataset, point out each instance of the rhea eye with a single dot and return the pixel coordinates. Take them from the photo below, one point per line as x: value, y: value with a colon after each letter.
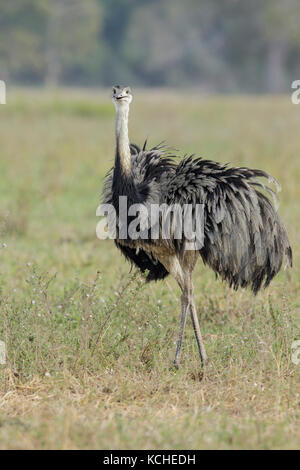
x: 127, y: 91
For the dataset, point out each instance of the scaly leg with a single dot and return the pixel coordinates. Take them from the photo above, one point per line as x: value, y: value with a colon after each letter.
x: 197, y: 331
x: 184, y: 310
x: 193, y: 312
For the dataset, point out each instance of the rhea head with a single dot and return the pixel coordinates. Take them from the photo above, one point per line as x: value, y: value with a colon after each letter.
x: 121, y: 96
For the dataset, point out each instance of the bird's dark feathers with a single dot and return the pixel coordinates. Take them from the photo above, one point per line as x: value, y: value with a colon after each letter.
x: 245, y: 242
x: 155, y: 270
x: 149, y: 169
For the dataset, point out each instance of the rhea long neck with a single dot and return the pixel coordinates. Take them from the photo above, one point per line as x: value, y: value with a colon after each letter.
x: 123, y: 183
x: 123, y: 156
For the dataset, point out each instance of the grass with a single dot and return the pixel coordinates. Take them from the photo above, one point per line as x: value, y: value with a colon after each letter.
x: 89, y: 345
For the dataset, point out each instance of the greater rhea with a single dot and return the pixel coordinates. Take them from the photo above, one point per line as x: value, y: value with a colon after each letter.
x: 244, y: 242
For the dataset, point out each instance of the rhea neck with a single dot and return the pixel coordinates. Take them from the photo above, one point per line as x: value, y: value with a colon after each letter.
x: 123, y: 182
x: 123, y: 156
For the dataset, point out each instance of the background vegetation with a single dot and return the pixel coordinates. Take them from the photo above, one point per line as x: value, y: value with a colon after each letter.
x: 89, y: 346
x: 214, y: 45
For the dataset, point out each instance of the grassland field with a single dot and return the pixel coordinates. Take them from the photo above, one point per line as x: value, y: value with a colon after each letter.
x: 89, y: 345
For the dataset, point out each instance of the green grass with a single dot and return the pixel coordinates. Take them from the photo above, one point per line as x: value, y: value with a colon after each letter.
x: 89, y: 345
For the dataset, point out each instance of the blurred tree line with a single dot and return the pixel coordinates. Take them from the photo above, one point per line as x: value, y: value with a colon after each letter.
x: 218, y: 45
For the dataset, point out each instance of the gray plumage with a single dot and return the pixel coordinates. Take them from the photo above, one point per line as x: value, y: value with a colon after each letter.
x: 245, y: 242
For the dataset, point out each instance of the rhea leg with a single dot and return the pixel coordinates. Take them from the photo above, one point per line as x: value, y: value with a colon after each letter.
x: 188, y: 305
x: 196, y: 326
x: 182, y: 272
x: 184, y: 310
x: 174, y: 267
